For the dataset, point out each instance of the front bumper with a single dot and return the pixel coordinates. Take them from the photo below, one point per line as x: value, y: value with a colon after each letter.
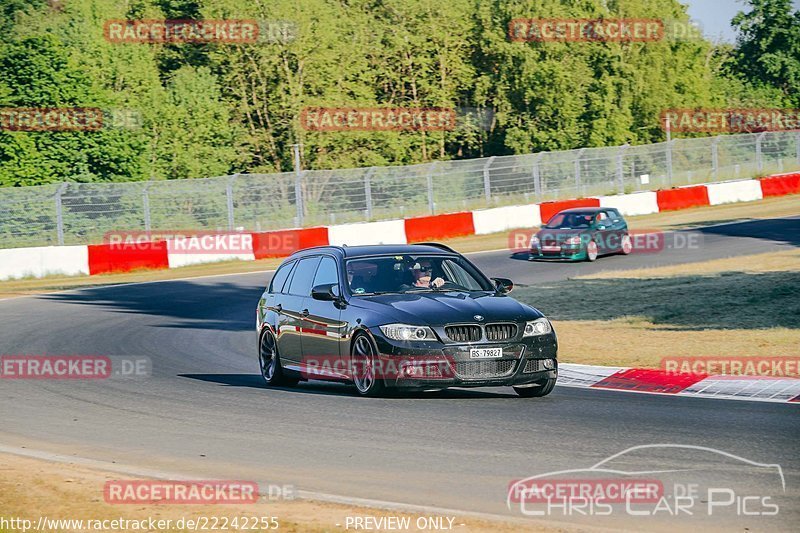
x: 565, y: 253
x: 440, y: 365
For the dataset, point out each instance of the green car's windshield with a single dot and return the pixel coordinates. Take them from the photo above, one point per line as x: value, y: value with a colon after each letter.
x: 413, y: 273
x: 570, y: 221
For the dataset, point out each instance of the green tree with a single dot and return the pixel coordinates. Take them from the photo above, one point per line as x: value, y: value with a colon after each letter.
x: 768, y: 45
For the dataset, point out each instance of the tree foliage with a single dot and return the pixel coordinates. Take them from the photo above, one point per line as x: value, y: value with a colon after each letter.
x: 212, y: 109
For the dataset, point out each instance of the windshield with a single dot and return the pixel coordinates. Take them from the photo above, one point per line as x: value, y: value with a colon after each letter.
x: 570, y: 221
x: 413, y: 273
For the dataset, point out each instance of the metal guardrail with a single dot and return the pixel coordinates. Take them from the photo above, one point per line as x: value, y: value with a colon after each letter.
x: 81, y: 213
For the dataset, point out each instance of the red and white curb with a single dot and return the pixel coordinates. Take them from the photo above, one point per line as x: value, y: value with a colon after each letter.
x: 103, y: 258
x: 655, y: 381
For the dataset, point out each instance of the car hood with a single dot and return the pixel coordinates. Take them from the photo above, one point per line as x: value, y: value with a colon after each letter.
x: 439, y: 308
x: 560, y: 235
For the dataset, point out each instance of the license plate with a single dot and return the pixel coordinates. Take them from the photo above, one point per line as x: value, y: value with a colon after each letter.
x: 551, y: 248
x: 485, y: 353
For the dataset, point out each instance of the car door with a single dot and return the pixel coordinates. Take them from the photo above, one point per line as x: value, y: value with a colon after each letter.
x: 617, y: 229
x: 292, y: 320
x: 272, y: 299
x: 322, y: 330
x: 605, y: 234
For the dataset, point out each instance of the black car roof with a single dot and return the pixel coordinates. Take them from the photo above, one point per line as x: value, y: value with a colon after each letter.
x: 378, y: 249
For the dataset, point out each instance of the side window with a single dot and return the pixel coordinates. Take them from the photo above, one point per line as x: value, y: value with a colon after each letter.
x: 460, y: 276
x: 280, y: 277
x: 303, y: 275
x: 326, y: 273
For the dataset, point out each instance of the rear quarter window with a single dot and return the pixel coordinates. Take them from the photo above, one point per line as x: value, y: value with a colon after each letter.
x: 280, y: 277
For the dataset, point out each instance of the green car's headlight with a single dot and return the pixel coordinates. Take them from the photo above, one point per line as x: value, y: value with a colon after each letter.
x: 405, y: 332
x: 573, y: 240
x: 540, y: 326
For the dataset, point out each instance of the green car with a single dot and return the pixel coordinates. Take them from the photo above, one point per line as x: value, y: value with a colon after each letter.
x: 582, y: 233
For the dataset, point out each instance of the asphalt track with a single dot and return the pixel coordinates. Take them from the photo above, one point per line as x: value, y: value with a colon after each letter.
x: 203, y: 411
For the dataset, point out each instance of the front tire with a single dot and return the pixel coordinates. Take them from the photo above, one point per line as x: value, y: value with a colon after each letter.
x: 627, y: 246
x: 364, y: 358
x: 270, y: 363
x: 544, y: 388
x: 591, y: 251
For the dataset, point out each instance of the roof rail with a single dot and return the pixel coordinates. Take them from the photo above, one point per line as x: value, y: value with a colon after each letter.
x: 317, y: 247
x: 437, y: 245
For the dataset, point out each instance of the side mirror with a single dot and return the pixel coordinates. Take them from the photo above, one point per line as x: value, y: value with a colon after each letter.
x: 326, y: 292
x: 503, y: 285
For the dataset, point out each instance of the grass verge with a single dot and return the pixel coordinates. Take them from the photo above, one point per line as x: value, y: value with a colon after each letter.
x: 636, y: 318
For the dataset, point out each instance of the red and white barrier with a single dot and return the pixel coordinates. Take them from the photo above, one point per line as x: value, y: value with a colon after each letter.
x: 734, y: 191
x: 638, y: 203
x: 383, y: 232
x: 41, y: 261
x: 104, y: 258
x: 505, y: 218
x: 654, y: 381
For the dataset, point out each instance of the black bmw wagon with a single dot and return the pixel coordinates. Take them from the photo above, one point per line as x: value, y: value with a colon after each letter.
x: 415, y: 317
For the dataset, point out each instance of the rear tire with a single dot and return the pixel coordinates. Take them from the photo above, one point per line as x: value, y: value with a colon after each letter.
x: 270, y: 363
x: 545, y: 387
x: 591, y: 251
x: 364, y: 359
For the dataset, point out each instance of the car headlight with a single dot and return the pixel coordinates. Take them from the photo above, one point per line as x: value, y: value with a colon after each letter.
x: 534, y: 241
x: 404, y: 332
x: 540, y: 326
x: 573, y: 240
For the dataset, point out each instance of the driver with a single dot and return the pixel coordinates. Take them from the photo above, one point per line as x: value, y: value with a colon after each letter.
x: 421, y: 270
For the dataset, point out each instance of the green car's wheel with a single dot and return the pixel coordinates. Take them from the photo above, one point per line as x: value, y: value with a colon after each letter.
x: 627, y: 246
x: 591, y: 251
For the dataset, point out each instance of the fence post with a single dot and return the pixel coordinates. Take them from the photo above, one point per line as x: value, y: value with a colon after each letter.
x: 759, y: 161
x: 669, y: 163
x: 146, y: 207
x: 620, y: 168
x: 229, y: 195
x: 59, y: 214
x: 368, y: 190
x: 797, y: 146
x: 487, y: 184
x: 715, y: 157
x: 537, y: 177
x: 578, y: 188
x: 298, y: 195
x: 431, y: 206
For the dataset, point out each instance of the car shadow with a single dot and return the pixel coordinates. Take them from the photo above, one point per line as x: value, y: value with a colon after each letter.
x: 785, y: 230
x: 326, y: 388
x: 222, y: 306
